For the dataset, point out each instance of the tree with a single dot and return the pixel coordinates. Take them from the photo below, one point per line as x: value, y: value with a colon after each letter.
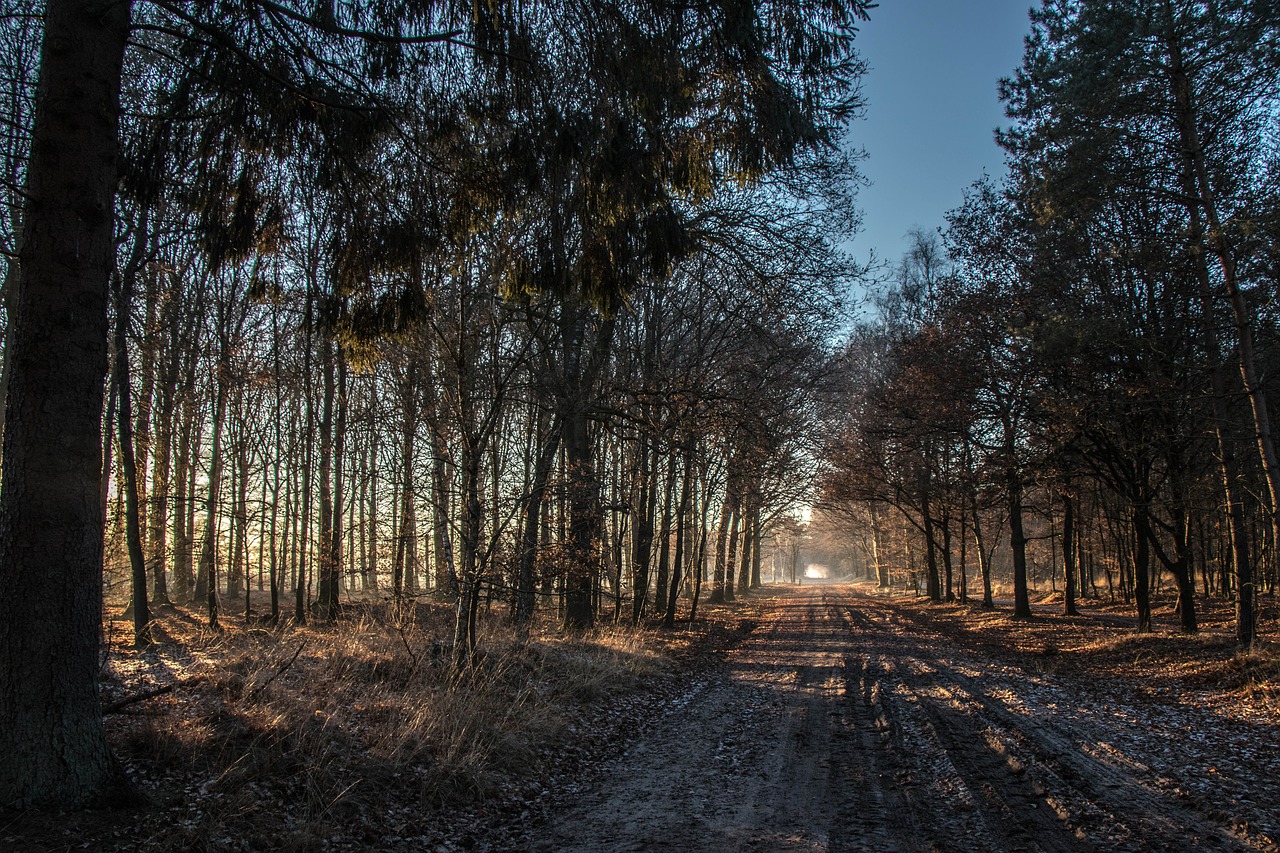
x: 1148, y: 107
x: 595, y: 169
x: 20, y: 34
x: 50, y: 508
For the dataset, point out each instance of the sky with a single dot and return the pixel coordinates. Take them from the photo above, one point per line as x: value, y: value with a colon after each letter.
x: 931, y: 108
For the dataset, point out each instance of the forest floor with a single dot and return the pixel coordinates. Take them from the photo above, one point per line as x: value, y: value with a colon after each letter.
x: 804, y: 718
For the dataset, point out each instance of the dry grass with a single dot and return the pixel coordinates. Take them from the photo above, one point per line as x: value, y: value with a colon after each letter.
x: 324, y: 726
x: 1255, y: 673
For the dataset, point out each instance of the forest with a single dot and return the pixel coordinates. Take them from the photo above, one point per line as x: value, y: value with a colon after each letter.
x: 1090, y: 344
x: 468, y: 347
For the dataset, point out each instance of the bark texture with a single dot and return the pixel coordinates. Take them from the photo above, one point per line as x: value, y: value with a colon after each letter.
x: 52, y: 749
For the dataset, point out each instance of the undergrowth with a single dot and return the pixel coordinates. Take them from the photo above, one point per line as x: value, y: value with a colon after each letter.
x: 323, y: 724
x: 1255, y: 673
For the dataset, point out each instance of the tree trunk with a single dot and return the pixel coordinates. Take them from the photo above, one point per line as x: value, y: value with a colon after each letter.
x: 731, y: 553
x: 642, y: 532
x: 301, y: 588
x: 241, y: 543
x: 617, y: 533
x: 129, y: 467
x: 1181, y: 569
x: 330, y: 473
x: 407, y: 539
x: 360, y: 523
x: 207, y: 570
x: 747, y: 547
x: 532, y: 526
x: 664, y: 536
x: 948, y: 591
x: 397, y: 553
x: 404, y: 568
x: 755, y: 547
x: 339, y: 491
x: 682, y: 527
x: 158, y: 517
x: 584, y: 524
x: 1200, y: 198
x: 372, y: 542
x: 744, y: 565
x: 700, y: 555
x: 469, y: 567
x: 184, y: 481
x: 51, y: 518
x: 326, y: 571
x: 238, y: 576
x: 1018, y: 542
x: 581, y: 368
x: 882, y: 566
x: 273, y: 565
x: 1179, y: 564
x: 1142, y: 566
x: 142, y: 435
x: 1205, y: 198
x: 446, y: 574
x: 1068, y: 555
x: 1084, y: 558
x: 722, y: 535
x: 933, y: 583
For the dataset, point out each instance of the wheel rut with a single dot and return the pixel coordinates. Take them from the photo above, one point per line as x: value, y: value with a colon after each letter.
x: 842, y: 725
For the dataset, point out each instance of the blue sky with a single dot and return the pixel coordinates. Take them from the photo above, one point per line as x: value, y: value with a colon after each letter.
x: 931, y: 107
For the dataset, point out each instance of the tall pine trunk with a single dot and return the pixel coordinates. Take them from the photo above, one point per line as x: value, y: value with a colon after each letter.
x: 51, y: 738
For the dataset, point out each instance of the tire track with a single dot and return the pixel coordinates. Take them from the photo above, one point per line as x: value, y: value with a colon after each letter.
x: 1036, y: 771
x: 843, y: 724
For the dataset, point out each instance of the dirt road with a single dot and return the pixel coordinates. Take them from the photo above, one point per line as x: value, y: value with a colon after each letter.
x: 843, y: 724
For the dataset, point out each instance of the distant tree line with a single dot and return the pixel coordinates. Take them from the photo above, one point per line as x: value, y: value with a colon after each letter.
x: 1089, y: 349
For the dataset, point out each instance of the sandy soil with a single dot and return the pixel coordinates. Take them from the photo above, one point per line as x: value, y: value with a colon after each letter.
x: 851, y: 721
